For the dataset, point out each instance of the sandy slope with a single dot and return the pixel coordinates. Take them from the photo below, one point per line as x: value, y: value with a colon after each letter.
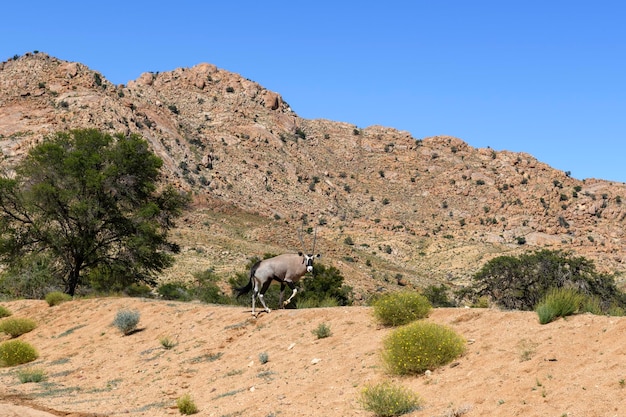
x: 513, y: 365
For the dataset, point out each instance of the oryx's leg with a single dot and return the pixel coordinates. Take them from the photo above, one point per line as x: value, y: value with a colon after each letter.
x: 294, y: 290
x: 282, y: 293
x: 264, y: 288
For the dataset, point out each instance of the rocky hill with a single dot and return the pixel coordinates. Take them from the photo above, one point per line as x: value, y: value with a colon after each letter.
x: 388, y: 208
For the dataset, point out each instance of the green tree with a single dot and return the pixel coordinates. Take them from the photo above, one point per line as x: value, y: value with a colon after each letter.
x: 521, y: 282
x: 89, y: 202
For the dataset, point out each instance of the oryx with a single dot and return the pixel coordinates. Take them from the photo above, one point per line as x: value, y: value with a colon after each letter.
x: 287, y: 269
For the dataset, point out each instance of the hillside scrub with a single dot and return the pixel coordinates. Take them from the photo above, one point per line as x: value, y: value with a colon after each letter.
x: 519, y: 283
x: 421, y: 346
x: 16, y: 352
x: 562, y: 302
x: 401, y: 307
x: 16, y: 327
x: 387, y: 399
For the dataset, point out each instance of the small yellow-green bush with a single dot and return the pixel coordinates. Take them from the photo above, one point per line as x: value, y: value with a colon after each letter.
x: 421, y: 346
x: 4, y: 312
x: 16, y: 352
x: 387, y: 399
x: 559, y: 302
x: 57, y: 297
x: 17, y: 326
x: 31, y: 375
x: 186, y: 405
x: 402, y: 307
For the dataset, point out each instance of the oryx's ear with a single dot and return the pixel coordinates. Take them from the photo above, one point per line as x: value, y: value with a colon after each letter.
x: 300, y: 253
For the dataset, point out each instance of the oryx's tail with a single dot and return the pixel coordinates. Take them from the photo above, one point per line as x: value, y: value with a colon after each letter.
x: 248, y: 287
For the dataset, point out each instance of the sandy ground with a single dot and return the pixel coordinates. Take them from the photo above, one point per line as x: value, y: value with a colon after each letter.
x: 513, y: 365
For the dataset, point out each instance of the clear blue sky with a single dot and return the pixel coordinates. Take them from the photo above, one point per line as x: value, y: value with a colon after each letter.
x: 543, y: 77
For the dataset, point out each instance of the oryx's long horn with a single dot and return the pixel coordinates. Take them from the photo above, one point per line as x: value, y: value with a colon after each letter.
x: 301, y: 241
x: 314, y: 239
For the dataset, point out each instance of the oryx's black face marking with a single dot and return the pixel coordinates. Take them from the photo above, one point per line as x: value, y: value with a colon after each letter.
x: 308, y: 261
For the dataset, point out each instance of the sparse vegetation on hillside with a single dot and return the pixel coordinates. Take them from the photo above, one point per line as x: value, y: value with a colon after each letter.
x: 402, y: 307
x: 387, y: 399
x: 57, y: 297
x: 17, y: 326
x: 519, y: 283
x: 126, y: 321
x: 421, y: 346
x: 16, y: 352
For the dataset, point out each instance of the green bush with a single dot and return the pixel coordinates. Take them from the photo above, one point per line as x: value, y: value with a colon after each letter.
x: 386, y: 399
x: 207, y: 290
x: 317, y: 303
x: 186, y: 405
x: 138, y: 290
x: 520, y: 283
x: 167, y: 343
x: 438, y: 296
x: 327, y: 283
x: 29, y: 277
x: 174, y: 291
x: 546, y: 313
x: 57, y: 297
x: 616, y: 311
x: 421, y: 346
x: 559, y: 302
x: 31, y: 375
x: 398, y: 308
x: 16, y: 352
x: 4, y: 312
x: 322, y: 331
x: 126, y: 321
x: 17, y: 326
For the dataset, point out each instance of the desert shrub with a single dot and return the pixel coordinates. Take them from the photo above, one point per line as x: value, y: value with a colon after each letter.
x: 186, y: 405
x: 57, y: 297
x: 4, y: 312
x: 316, y: 303
x: 326, y: 284
x: 138, y: 290
x: 591, y: 304
x: 387, y: 399
x: 438, y: 296
x: 322, y: 331
x: 206, y: 289
x: 16, y: 352
x: 559, y: 302
x: 521, y: 282
x: 174, y: 291
x: 546, y: 313
x: 31, y: 375
x: 29, y: 277
x: 167, y: 343
x: 402, y: 307
x: 126, y: 321
x: 421, y: 346
x: 17, y: 326
x: 616, y: 311
x: 263, y: 358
